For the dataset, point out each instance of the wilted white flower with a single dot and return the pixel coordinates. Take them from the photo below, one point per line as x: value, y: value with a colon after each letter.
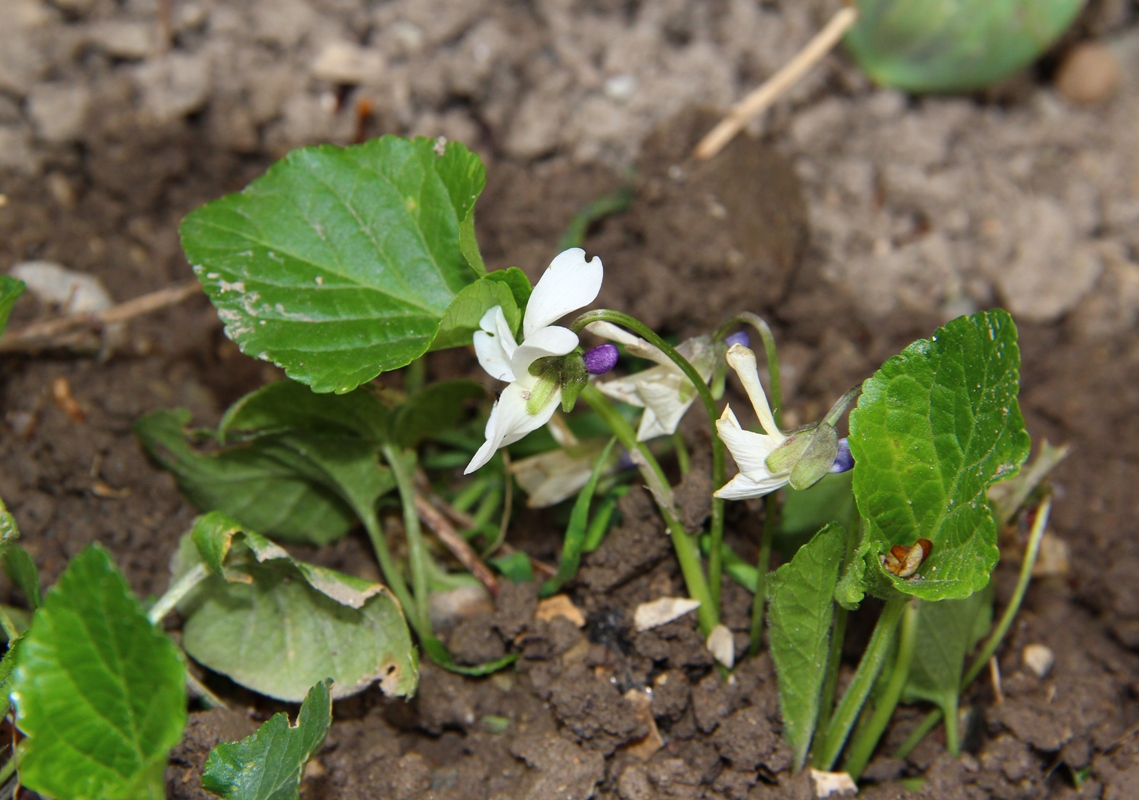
x: 569, y: 283
x: 750, y: 450
x: 663, y: 391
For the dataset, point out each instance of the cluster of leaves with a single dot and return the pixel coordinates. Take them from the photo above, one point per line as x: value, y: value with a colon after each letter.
x: 340, y: 264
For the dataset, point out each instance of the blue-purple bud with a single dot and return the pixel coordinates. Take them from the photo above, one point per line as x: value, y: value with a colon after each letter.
x: 600, y: 359
x: 844, y: 460
x: 739, y: 337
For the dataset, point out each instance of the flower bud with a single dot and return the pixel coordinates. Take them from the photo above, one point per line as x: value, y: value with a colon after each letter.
x: 843, y: 461
x: 739, y: 337
x: 600, y: 359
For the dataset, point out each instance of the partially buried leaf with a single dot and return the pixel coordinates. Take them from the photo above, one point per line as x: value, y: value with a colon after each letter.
x: 277, y: 483
x: 954, y: 45
x: 934, y: 428
x: 801, y: 611
x: 277, y: 625
x: 10, y: 291
x: 268, y: 764
x: 99, y: 691
x: 339, y: 263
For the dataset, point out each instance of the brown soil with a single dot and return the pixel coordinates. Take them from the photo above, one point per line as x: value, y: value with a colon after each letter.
x: 698, y: 242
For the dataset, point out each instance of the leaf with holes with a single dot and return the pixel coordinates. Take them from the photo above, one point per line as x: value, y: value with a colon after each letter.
x: 934, y: 428
x: 340, y: 262
x: 99, y: 691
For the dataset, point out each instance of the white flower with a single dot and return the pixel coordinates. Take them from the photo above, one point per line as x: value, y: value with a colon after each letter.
x: 663, y: 391
x: 569, y: 283
x: 750, y: 450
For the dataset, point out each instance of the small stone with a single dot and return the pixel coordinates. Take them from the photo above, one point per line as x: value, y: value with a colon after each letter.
x: 559, y: 606
x: 54, y: 284
x: 662, y: 610
x: 1089, y: 74
x: 59, y: 110
x: 126, y: 40
x: 832, y: 783
x: 644, y: 749
x: 174, y: 85
x: 1039, y: 659
x: 721, y: 646
x: 16, y: 151
x: 348, y: 64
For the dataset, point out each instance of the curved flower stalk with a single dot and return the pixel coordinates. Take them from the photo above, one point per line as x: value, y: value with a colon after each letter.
x: 771, y: 460
x: 663, y: 391
x: 569, y: 283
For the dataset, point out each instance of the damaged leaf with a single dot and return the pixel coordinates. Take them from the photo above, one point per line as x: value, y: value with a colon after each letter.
x: 277, y: 625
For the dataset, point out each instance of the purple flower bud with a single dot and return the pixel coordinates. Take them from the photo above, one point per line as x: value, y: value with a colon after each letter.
x: 844, y: 460
x: 739, y: 337
x: 600, y: 359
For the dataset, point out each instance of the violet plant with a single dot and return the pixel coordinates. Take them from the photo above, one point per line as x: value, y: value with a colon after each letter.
x: 341, y: 264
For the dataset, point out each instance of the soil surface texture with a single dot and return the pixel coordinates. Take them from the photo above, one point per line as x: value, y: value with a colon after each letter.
x: 855, y: 219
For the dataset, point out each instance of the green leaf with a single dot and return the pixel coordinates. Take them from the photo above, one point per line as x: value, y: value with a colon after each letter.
x: 248, y: 482
x: 461, y: 319
x: 99, y: 691
x: 514, y: 566
x: 947, y: 631
x: 21, y: 570
x: 805, y: 512
x: 934, y: 428
x: 277, y: 625
x: 954, y: 45
x: 10, y: 291
x: 435, y: 409
x: 268, y: 764
x: 801, y: 611
x: 7, y: 669
x: 288, y: 405
x: 577, y: 528
x: 339, y: 263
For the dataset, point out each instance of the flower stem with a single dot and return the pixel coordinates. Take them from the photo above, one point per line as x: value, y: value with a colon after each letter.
x: 860, y: 685
x: 864, y: 743
x: 995, y: 638
x: 687, y: 550
x: 175, y: 593
x: 716, y: 529
x: 762, y: 563
x: 402, y: 465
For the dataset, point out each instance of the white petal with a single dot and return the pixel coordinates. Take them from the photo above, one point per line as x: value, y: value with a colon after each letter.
x: 661, y: 611
x: 623, y: 389
x: 494, y: 344
x: 551, y: 341
x: 569, y: 283
x: 667, y: 401
x: 721, y: 645
x: 742, y: 487
x: 750, y: 451
x: 742, y: 360
x: 634, y: 345
x: 509, y: 421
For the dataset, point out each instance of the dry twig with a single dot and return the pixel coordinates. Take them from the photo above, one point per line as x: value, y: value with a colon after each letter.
x: 761, y: 99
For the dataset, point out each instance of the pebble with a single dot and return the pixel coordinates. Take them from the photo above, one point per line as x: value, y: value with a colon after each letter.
x: 832, y: 783
x: 1089, y: 74
x: 55, y: 284
x: 130, y: 41
x: 59, y: 110
x: 348, y: 64
x: 1039, y: 659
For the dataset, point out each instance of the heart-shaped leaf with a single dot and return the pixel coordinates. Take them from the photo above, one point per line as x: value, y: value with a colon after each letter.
x: 934, y: 428
x: 99, y: 691
x: 339, y: 263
